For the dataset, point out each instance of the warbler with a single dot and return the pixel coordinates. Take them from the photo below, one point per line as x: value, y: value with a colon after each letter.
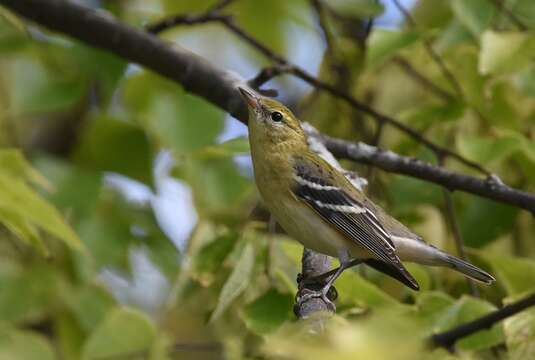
x: 315, y: 203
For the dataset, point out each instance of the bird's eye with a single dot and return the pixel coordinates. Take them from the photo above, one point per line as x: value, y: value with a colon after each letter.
x: 276, y: 116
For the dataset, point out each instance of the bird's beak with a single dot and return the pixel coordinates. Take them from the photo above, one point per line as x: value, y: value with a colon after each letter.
x: 251, y: 99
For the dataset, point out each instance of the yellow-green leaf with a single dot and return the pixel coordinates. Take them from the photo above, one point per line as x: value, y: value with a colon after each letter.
x: 237, y: 281
x: 18, y: 198
x: 124, y: 332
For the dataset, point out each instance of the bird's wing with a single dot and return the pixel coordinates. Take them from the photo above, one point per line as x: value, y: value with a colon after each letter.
x: 314, y: 183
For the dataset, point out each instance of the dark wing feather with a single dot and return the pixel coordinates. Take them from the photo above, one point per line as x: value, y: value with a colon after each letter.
x: 351, y: 217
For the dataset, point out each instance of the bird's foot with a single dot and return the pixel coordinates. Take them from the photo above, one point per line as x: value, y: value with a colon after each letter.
x: 327, y: 294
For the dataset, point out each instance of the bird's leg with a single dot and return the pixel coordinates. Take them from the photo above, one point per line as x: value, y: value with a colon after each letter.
x: 326, y: 275
x: 345, y: 262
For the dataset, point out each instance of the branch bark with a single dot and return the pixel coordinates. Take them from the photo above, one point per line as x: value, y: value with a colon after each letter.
x: 218, y: 86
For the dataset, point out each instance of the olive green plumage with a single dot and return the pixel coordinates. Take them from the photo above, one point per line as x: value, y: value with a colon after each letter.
x: 315, y: 203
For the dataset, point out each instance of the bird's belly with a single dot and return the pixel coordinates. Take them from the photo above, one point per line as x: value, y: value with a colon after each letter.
x: 304, y: 225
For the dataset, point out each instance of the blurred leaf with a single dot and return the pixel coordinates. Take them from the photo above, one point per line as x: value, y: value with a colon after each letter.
x: 90, y: 305
x: 464, y: 310
x: 431, y: 306
x: 475, y: 15
x: 407, y: 192
x: 505, y: 52
x: 237, y: 281
x: 428, y: 115
x: 486, y: 150
x: 23, y: 229
x: 68, y: 180
x: 514, y: 273
x: 268, y: 312
x: 184, y: 123
x: 499, y: 218
x: 123, y: 332
x: 357, y: 8
x: 207, y: 262
x: 24, y: 345
x: 519, y: 332
x: 69, y: 337
x: 236, y: 146
x: 525, y: 80
x: 13, y: 162
x: 109, y: 144
x: 27, y: 293
x: 105, y: 70
x: 383, y: 44
x: 50, y: 90
x: 19, y: 199
x: 353, y: 289
x: 218, y: 186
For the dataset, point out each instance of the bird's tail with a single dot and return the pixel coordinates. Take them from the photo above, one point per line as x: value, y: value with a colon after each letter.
x: 466, y: 268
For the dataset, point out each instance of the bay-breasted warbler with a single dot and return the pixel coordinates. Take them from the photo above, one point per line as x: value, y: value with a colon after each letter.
x: 315, y: 203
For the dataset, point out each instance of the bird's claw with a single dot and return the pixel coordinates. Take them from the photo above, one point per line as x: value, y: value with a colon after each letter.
x: 326, y: 294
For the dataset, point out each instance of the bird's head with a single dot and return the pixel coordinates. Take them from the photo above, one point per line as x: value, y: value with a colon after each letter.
x: 271, y: 121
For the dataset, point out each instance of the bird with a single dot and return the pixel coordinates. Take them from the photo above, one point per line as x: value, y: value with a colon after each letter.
x: 318, y: 206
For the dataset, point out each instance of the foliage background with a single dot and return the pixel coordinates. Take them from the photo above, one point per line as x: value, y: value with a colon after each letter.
x: 112, y: 249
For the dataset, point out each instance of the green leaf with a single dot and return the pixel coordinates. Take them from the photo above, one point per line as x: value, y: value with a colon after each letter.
x: 50, y: 90
x: 207, y: 262
x: 475, y: 15
x: 429, y: 115
x: 514, y: 273
x: 383, y: 44
x: 124, y: 331
x: 232, y: 147
x: 237, y: 281
x: 14, y: 164
x: 465, y: 310
x: 499, y: 219
x: 27, y: 292
x: 505, y: 52
x: 19, y: 199
x: 184, y: 123
x: 519, y: 332
x: 109, y: 144
x: 219, y: 187
x: 90, y: 305
x: 431, y: 306
x: 23, y: 229
x: 355, y: 290
x: 267, y: 313
x: 357, y: 8
x: 486, y: 150
x: 525, y: 80
x: 407, y: 192
x: 24, y: 345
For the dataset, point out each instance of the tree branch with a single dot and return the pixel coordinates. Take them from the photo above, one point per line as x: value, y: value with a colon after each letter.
x: 491, y: 188
x: 448, y: 338
x: 289, y: 68
x: 218, y: 86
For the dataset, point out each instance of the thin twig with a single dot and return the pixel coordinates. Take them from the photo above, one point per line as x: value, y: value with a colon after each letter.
x: 322, y: 22
x: 448, y: 338
x: 454, y: 225
x: 509, y: 14
x: 420, y: 78
x: 432, y: 53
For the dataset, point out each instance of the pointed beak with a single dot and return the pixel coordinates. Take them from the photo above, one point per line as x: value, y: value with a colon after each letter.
x: 251, y: 99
